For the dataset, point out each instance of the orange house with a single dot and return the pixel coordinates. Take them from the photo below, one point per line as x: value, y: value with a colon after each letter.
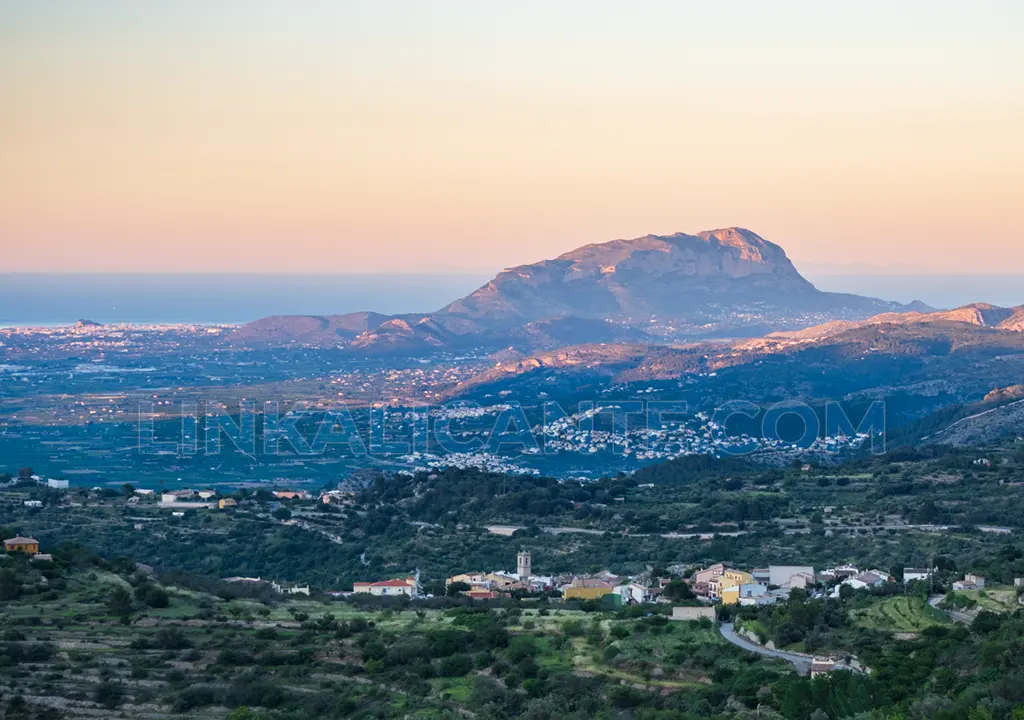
x: 22, y: 544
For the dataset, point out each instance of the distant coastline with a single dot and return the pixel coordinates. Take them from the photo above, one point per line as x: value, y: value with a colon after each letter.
x: 56, y: 300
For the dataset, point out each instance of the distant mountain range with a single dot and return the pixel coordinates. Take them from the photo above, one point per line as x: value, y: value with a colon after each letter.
x: 981, y: 315
x: 930, y: 370
x: 938, y: 333
x: 718, y: 283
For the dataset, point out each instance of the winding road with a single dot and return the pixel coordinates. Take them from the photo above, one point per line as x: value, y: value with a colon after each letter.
x: 802, y: 663
x: 954, y: 615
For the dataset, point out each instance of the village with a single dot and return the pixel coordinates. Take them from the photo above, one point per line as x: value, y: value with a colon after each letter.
x: 707, y: 586
x: 715, y: 584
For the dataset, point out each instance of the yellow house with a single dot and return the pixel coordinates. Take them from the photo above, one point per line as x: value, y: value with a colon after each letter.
x: 22, y: 544
x: 470, y: 579
x: 500, y: 580
x: 586, y: 590
x: 226, y: 503
x: 731, y: 595
x: 728, y: 580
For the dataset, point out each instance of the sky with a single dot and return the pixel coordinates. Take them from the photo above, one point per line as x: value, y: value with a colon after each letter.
x: 385, y: 136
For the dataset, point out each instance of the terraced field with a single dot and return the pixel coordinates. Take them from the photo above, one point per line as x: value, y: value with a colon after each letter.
x: 898, y: 615
x: 994, y: 599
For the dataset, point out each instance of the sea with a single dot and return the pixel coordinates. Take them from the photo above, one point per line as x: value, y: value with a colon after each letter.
x: 30, y: 299
x: 47, y: 300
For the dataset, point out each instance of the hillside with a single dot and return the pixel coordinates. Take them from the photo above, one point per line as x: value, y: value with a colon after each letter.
x: 982, y: 315
x: 916, y: 368
x: 164, y: 633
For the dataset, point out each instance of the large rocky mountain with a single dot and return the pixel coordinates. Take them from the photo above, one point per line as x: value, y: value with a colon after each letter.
x: 718, y: 283
x: 676, y: 277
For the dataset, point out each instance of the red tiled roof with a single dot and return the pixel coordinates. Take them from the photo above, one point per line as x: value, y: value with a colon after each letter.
x: 384, y: 583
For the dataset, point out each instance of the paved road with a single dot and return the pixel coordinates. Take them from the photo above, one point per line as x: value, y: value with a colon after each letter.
x: 954, y: 615
x: 800, y: 662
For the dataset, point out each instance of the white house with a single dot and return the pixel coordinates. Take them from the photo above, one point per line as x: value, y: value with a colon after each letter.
x: 910, y: 574
x: 693, y: 613
x: 754, y: 594
x: 840, y: 572
x: 970, y: 582
x: 782, y: 575
x: 869, y: 579
x: 634, y: 593
x: 174, y: 496
x: 388, y: 588
x: 58, y: 484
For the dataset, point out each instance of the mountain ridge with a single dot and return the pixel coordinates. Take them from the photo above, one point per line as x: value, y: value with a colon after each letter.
x: 729, y: 282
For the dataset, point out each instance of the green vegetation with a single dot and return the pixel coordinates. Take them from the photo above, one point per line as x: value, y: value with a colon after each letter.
x: 143, y: 624
x: 84, y: 629
x: 899, y: 614
x: 901, y: 509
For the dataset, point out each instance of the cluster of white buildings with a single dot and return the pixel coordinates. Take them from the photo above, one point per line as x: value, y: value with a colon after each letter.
x: 489, y: 585
x: 283, y: 588
x: 53, y: 483
x: 422, y: 461
x: 852, y: 577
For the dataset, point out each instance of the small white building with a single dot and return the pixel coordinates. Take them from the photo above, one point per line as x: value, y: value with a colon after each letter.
x: 910, y: 574
x: 822, y: 666
x: 693, y: 613
x: 869, y: 579
x: 58, y: 484
x: 634, y: 593
x: 754, y: 594
x: 970, y: 582
x: 783, y: 575
x: 389, y: 588
x: 174, y: 496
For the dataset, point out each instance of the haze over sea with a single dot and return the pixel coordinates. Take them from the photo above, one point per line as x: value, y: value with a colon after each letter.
x: 30, y: 299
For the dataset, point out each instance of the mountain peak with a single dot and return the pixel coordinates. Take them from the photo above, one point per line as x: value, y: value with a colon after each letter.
x: 700, y: 279
x: 728, y: 282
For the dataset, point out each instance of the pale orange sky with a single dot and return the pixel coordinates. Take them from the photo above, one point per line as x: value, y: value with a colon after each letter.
x: 391, y: 136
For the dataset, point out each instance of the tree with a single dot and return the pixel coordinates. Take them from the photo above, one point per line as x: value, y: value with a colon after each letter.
x: 108, y: 694
x: 10, y: 585
x: 127, y: 490
x: 457, y: 587
x: 282, y: 513
x: 156, y: 597
x: 678, y: 590
x: 119, y: 603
